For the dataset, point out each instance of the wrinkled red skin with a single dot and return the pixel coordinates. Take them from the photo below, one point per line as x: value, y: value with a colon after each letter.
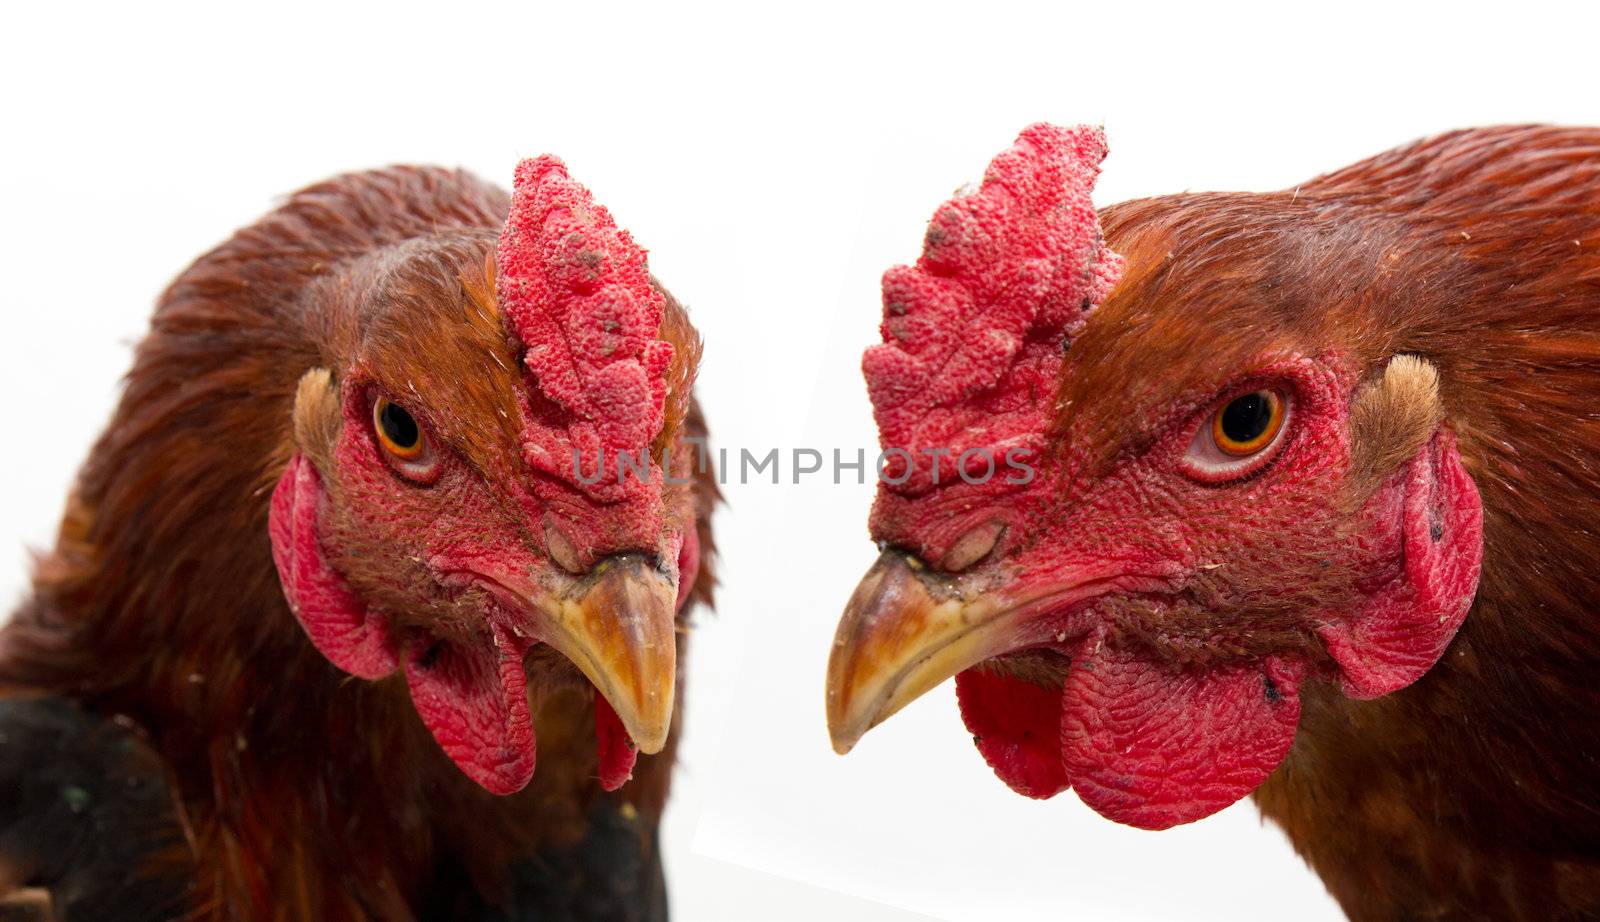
x: 466, y: 678
x: 345, y: 631
x: 1016, y: 726
x: 575, y: 291
x: 1152, y: 531
x: 616, y: 748
x: 1188, y: 654
x: 1410, y: 618
x: 1154, y: 747
x: 464, y: 688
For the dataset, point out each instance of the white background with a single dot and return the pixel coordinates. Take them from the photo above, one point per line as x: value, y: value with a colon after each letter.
x: 775, y: 162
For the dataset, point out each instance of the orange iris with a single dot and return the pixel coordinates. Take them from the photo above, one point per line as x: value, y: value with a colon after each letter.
x: 1248, y: 423
x: 397, y: 429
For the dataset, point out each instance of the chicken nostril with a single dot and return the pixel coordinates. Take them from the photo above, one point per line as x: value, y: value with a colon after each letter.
x: 972, y: 547
x: 430, y: 656
x: 647, y: 560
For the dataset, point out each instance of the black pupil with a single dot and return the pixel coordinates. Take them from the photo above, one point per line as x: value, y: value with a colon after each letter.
x: 1245, y: 418
x: 398, y: 426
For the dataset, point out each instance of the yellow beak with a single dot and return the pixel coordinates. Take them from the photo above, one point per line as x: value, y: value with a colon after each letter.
x: 617, y: 625
x: 906, y: 630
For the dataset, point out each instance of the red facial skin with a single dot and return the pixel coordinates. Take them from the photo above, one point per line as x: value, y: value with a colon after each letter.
x: 463, y: 663
x: 582, y: 313
x: 1169, y: 712
x: 1190, y: 604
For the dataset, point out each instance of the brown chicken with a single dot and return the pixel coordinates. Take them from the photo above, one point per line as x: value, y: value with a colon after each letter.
x: 366, y: 437
x: 1314, y: 515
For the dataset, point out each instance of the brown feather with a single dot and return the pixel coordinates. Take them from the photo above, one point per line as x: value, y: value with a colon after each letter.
x: 303, y: 793
x: 1475, y: 793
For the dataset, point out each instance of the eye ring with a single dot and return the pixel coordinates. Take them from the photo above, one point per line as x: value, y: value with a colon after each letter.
x: 1240, y: 436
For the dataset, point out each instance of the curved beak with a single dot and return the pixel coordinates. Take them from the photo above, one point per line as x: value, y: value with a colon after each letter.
x: 617, y: 624
x: 906, y: 630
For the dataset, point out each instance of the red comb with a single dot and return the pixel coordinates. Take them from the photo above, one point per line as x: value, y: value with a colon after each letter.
x: 973, y: 334
x: 575, y: 291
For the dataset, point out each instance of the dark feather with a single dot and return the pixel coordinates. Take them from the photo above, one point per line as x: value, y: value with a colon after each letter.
x: 86, y: 813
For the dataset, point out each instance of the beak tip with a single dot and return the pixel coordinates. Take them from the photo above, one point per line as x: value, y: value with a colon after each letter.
x: 906, y: 630
x: 843, y: 736
x: 649, y: 723
x: 631, y: 657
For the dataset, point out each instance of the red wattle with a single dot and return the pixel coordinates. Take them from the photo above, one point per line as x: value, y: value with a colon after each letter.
x: 616, y: 749
x: 473, y: 698
x: 1016, y: 725
x: 1153, y: 745
x: 688, y: 566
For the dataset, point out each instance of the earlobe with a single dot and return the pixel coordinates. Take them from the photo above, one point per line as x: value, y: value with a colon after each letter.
x: 338, y: 622
x: 1405, y: 627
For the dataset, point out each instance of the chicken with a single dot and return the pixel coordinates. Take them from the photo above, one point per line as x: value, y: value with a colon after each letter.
x: 397, y: 484
x: 1289, y: 493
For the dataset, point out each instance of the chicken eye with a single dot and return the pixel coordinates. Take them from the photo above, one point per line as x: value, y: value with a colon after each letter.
x: 397, y: 430
x: 1241, y: 436
x: 1248, y: 422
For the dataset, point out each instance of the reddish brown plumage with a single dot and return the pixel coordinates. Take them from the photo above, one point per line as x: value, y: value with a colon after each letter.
x: 1474, y: 793
x: 1162, y: 625
x: 302, y: 793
